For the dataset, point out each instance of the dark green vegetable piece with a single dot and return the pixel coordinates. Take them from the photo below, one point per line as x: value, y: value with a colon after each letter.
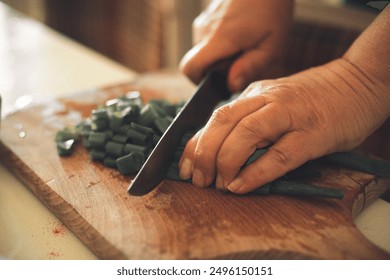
x: 257, y: 154
x: 65, y: 148
x: 84, y: 128
x: 128, y: 114
x: 299, y: 189
x: 162, y: 124
x: 173, y: 173
x: 109, y: 134
x: 147, y: 115
x: 66, y: 134
x: 97, y: 155
x: 116, y: 121
x: 130, y: 163
x: 119, y: 138
x: 97, y: 140
x: 186, y: 137
x: 123, y: 129
x: 86, y: 142
x: 99, y: 114
x: 379, y: 168
x: 111, y: 104
x: 114, y: 149
x: 110, y: 162
x: 99, y: 124
x: 162, y: 104
x: 134, y: 148
x: 155, y: 140
x: 138, y: 137
x: 142, y: 129
x: 159, y: 110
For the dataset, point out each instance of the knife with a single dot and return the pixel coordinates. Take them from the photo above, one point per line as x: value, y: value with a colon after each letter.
x: 194, y: 114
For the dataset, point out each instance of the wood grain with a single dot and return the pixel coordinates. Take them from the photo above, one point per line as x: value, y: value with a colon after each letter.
x: 178, y: 220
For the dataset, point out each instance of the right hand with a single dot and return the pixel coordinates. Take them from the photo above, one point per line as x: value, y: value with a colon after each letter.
x: 256, y: 29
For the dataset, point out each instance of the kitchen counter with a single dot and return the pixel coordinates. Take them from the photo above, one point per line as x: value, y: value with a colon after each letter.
x: 38, y: 63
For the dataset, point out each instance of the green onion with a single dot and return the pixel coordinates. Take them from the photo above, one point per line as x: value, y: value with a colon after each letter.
x: 114, y: 149
x: 64, y: 148
x: 141, y: 128
x: 138, y: 137
x: 130, y: 163
x: 123, y: 129
x: 110, y: 162
x: 147, y: 115
x: 95, y: 154
x: 129, y: 148
x: 116, y: 121
x: 99, y: 114
x: 66, y: 134
x: 99, y: 124
x: 162, y: 124
x: 155, y: 140
x: 97, y: 140
x: 119, y: 131
x: 120, y: 138
x: 379, y: 168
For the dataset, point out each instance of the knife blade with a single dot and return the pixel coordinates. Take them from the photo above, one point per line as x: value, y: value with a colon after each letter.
x: 194, y: 114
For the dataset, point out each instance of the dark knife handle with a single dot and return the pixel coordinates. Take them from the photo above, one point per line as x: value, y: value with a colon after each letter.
x: 223, y: 65
x: 220, y: 71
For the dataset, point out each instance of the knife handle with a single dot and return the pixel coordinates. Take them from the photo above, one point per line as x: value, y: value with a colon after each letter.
x: 218, y: 72
x: 222, y: 66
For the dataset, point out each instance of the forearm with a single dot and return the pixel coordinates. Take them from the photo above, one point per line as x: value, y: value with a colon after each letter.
x: 370, y: 56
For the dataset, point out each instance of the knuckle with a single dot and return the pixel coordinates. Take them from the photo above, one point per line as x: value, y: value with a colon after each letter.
x: 260, y: 130
x: 202, y: 159
x: 281, y: 157
x: 252, y: 127
x: 222, y: 115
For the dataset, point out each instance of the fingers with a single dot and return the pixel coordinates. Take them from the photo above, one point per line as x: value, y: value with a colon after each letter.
x: 204, y: 54
x: 256, y: 130
x: 288, y: 153
x: 185, y: 163
x: 254, y: 63
x: 201, y: 152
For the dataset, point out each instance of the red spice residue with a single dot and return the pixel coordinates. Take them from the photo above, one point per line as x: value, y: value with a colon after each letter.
x: 53, y: 254
x: 59, y: 230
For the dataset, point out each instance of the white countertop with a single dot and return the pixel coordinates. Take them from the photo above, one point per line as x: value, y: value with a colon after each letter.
x: 37, y: 63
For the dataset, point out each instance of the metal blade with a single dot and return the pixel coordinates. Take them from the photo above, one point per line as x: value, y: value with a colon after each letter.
x: 194, y: 114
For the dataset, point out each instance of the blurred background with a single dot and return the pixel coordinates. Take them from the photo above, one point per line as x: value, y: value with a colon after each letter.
x: 153, y: 34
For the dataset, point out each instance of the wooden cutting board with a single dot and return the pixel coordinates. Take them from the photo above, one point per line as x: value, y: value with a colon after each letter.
x: 177, y: 220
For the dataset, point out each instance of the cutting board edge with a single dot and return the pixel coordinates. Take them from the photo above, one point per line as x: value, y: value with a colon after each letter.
x: 42, y: 192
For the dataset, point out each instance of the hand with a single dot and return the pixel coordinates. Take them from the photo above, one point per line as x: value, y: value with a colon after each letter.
x: 256, y: 29
x: 302, y: 117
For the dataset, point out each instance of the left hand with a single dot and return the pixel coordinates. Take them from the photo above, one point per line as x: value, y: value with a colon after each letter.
x: 300, y: 118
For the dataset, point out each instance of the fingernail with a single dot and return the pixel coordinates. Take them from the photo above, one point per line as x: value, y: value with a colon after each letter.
x: 219, y: 182
x: 198, y: 178
x: 235, y: 185
x: 185, y: 169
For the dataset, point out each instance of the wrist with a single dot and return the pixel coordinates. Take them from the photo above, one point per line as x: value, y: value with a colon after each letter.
x: 369, y: 59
